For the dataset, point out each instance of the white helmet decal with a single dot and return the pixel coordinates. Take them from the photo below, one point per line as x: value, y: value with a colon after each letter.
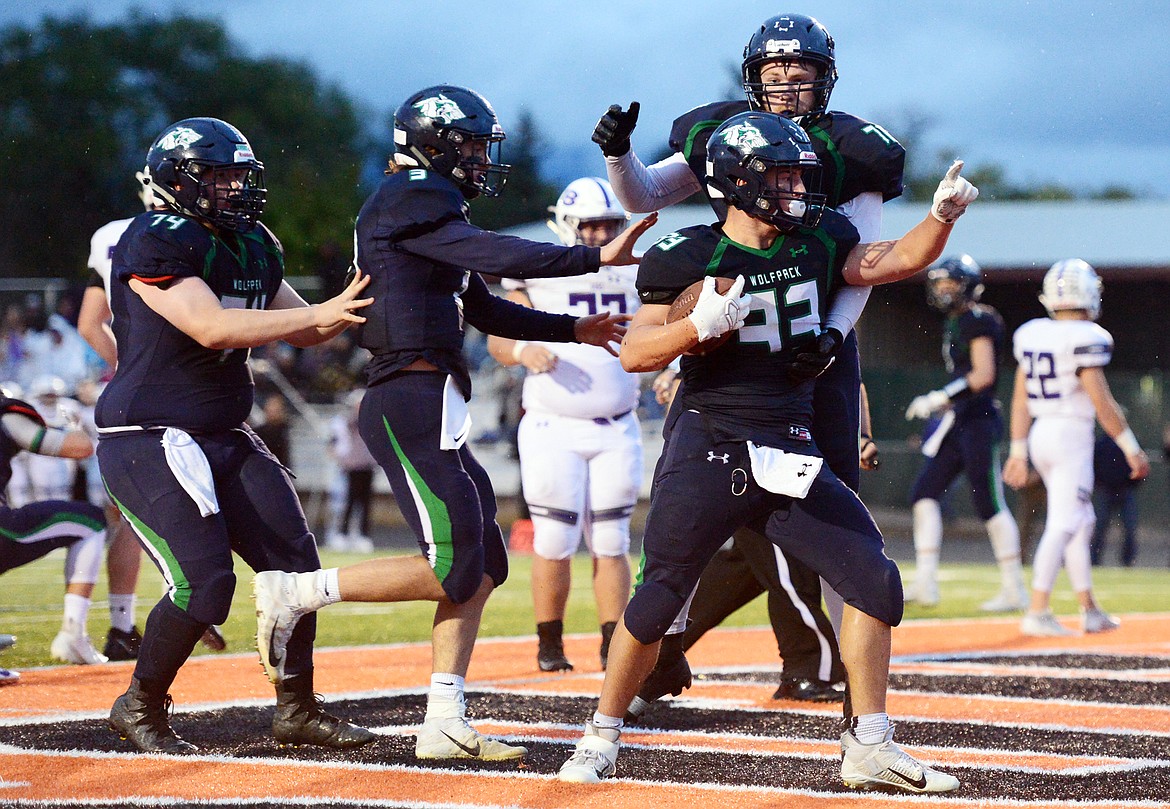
x: 744, y: 135
x: 179, y: 138
x: 440, y: 107
x: 1072, y: 284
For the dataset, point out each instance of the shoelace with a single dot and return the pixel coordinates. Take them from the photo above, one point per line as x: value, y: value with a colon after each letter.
x: 593, y: 758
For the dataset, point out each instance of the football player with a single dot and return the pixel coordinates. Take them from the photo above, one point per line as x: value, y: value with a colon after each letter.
x: 1060, y: 387
x: 423, y: 256
x: 33, y: 530
x: 579, y: 439
x: 788, y: 68
x: 192, y: 288
x: 966, y: 438
x: 739, y: 449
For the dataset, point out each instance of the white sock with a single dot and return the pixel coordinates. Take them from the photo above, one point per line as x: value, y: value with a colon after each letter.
x: 871, y: 728
x: 328, y: 588
x: 76, y: 614
x: 609, y: 727
x: 927, y: 538
x: 445, y: 688
x: 122, y: 611
x: 1005, y: 544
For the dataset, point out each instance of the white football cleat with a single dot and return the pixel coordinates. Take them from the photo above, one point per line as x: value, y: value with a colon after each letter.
x: 924, y: 593
x: 885, y: 765
x: 1006, y: 601
x: 1096, y: 619
x: 449, y: 737
x: 9, y: 677
x: 1043, y: 625
x: 75, y: 648
x: 279, y: 605
x: 594, y: 758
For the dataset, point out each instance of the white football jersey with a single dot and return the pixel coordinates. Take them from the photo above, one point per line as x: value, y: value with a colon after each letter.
x: 1051, y: 352
x: 101, y: 248
x: 588, y: 382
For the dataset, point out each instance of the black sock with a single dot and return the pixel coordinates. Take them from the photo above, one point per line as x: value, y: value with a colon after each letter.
x: 170, y: 635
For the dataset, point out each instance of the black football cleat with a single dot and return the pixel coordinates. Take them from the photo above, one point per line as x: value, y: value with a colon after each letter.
x: 301, y: 719
x: 670, y: 675
x: 809, y: 690
x: 213, y: 639
x: 550, y: 653
x: 122, y: 645
x: 143, y: 719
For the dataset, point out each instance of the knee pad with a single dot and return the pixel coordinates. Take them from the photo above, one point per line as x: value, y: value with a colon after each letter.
x: 464, y: 576
x: 210, y: 601
x: 878, y: 593
x: 83, y: 560
x: 555, y: 539
x: 610, y: 537
x: 652, y: 610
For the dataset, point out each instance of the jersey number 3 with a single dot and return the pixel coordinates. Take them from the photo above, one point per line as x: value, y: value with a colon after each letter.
x: 776, y: 323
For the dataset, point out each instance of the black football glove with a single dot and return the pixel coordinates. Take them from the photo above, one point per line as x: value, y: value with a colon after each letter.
x: 821, y: 354
x: 612, y: 132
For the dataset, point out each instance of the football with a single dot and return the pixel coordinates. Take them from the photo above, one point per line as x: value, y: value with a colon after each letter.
x: 684, y: 304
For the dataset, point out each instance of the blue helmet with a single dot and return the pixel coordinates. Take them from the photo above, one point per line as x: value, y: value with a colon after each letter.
x: 740, y: 154
x: 790, y: 36
x: 956, y: 268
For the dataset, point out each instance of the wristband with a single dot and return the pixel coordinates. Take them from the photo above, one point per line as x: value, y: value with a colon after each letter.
x: 1128, y: 443
x: 955, y: 387
x: 518, y: 349
x: 1018, y: 448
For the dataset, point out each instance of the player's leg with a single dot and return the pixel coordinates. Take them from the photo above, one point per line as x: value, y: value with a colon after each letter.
x: 850, y: 555
x: 693, y: 508
x: 928, y: 490
x: 554, y: 478
x: 193, y: 555
x: 979, y: 441
x: 1062, y: 452
x: 615, y: 480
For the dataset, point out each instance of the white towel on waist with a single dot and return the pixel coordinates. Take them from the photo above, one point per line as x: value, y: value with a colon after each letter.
x: 190, y: 467
x: 456, y: 417
x: 783, y: 472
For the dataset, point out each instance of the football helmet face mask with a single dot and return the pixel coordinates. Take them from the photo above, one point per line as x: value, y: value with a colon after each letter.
x: 438, y: 128
x: 745, y: 155
x: 204, y: 167
x: 589, y: 199
x: 967, y: 286
x: 790, y: 36
x: 1072, y: 284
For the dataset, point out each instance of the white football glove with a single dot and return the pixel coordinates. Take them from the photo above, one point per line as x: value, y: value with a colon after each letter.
x: 953, y: 196
x: 927, y: 404
x: 714, y: 315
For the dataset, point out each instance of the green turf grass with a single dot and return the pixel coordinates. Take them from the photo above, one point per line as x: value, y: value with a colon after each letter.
x: 31, y: 598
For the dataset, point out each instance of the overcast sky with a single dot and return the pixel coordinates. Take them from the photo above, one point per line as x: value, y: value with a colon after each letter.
x: 1067, y: 91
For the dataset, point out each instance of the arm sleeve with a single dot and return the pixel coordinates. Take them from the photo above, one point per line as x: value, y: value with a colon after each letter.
x: 865, y: 212
x: 846, y: 309
x: 642, y: 188
x: 462, y: 244
x: 32, y: 436
x: 492, y: 314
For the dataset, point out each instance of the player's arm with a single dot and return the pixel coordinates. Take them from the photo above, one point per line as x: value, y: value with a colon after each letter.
x: 651, y: 343
x: 1015, y: 470
x: 189, y: 305
x: 93, y: 323
x: 43, y: 440
x: 507, y: 352
x: 288, y: 298
x: 1113, y: 420
x: 884, y: 262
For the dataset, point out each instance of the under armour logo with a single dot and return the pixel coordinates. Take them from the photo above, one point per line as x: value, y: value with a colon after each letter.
x: 804, y: 470
x: 725, y: 457
x: 798, y: 251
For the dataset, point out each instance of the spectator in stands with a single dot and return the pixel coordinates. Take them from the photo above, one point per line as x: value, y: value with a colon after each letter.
x: 356, y: 469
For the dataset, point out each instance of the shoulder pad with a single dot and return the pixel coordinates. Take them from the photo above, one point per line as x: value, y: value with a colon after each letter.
x: 691, y: 129
x: 160, y: 245
x: 417, y: 201
x: 673, y: 263
x: 858, y: 156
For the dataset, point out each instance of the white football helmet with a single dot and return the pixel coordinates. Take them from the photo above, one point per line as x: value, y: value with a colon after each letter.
x: 1072, y: 284
x: 588, y: 199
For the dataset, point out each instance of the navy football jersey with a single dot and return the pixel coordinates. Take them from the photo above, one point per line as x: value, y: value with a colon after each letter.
x: 414, y: 240
x: 856, y: 156
x: 959, y: 331
x: 165, y: 378
x: 745, y: 381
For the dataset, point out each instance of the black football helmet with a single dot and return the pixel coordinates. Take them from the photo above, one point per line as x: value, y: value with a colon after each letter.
x: 740, y: 153
x: 187, y: 167
x: 790, y: 36
x: 430, y: 126
x: 956, y: 268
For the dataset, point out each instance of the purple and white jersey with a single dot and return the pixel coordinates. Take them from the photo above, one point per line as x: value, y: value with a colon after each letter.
x: 1051, y: 352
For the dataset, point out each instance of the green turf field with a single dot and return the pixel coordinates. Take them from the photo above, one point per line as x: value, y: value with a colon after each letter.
x: 31, y: 597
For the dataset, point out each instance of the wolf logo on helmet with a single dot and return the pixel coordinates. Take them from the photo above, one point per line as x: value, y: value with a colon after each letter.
x: 744, y: 135
x: 179, y: 138
x: 440, y: 107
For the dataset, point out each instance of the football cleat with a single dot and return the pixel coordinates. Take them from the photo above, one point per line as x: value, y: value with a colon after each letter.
x: 594, y: 757
x: 887, y: 766
x: 76, y: 649
x: 810, y: 690
x: 453, y: 737
x: 9, y: 677
x: 213, y: 639
x: 550, y: 653
x: 669, y: 677
x: 301, y: 719
x: 924, y: 593
x: 1007, y: 600
x: 6, y: 641
x: 279, y: 606
x: 122, y: 645
x: 1042, y: 625
x: 143, y: 720
x: 1095, y: 620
